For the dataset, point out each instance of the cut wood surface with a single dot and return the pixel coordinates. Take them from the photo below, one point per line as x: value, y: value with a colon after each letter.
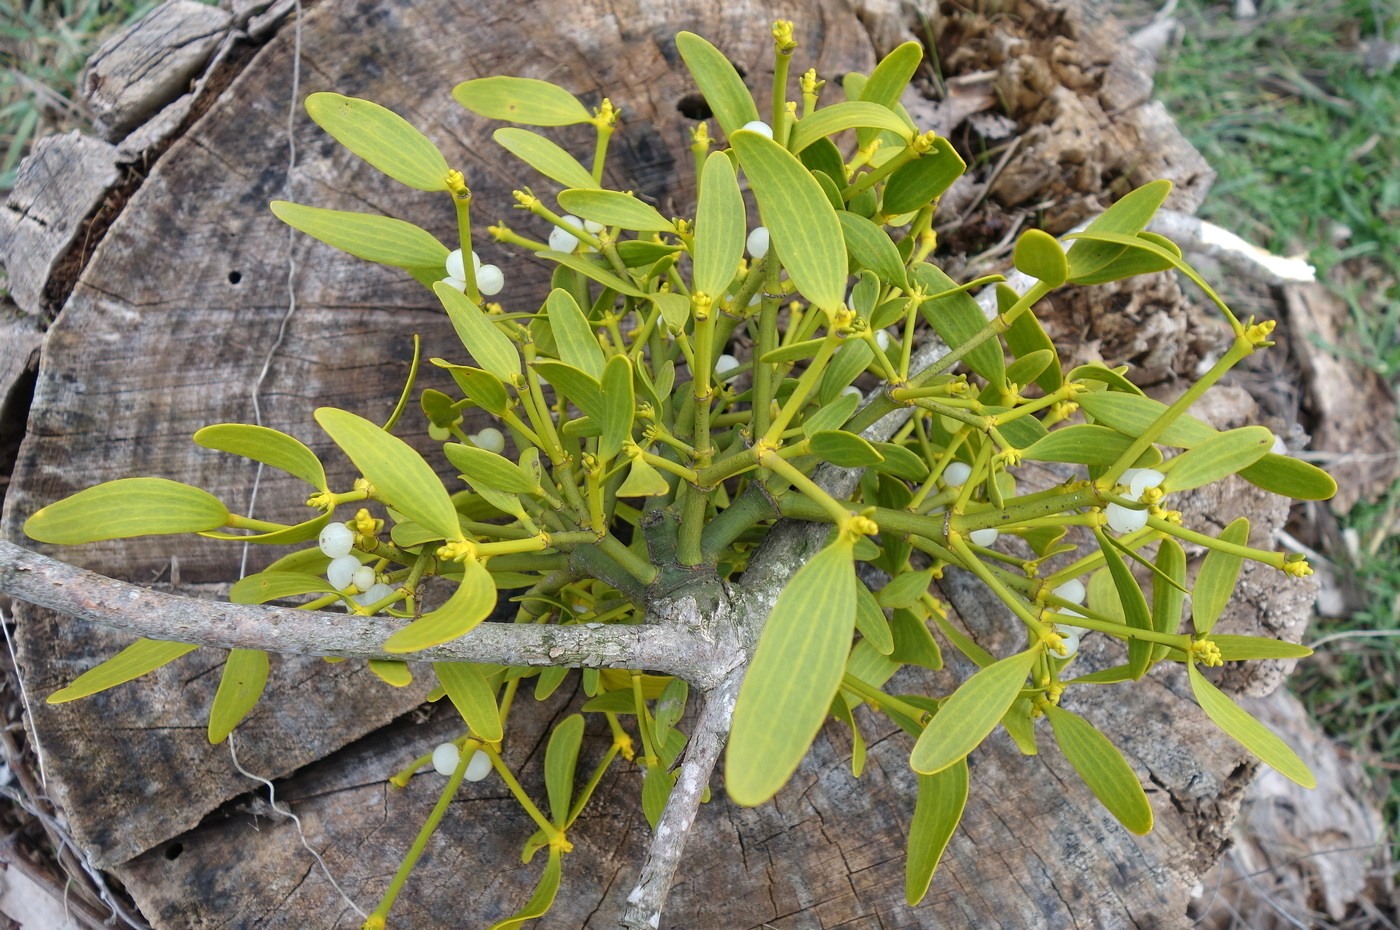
x: 169, y: 325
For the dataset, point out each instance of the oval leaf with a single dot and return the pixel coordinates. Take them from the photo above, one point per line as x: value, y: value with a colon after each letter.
x: 850, y: 114
x: 724, y: 91
x: 487, y: 344
x: 1290, y: 477
x: 956, y: 317
x: 142, y: 656
x: 802, y: 223
x: 970, y: 713
x: 937, y: 810
x: 914, y: 185
x: 619, y: 406
x: 381, y: 239
x: 1248, y: 732
x: 614, y: 208
x: 1039, y: 255
x: 1133, y: 414
x: 796, y: 671
x: 1082, y: 444
x: 470, y: 604
x: 242, y: 683
x: 544, y: 156
x: 268, y: 446
x: 844, y: 449
x: 400, y: 476
x: 871, y: 248
x: 127, y: 507
x: 273, y: 585
x: 480, y: 466
x: 1217, y: 457
x: 573, y: 334
x: 1134, y: 605
x: 560, y: 758
x: 1215, y: 582
x: 521, y: 100
x: 1103, y: 769
x: 720, y: 221
x: 381, y: 137
x: 473, y: 697
x: 1129, y: 216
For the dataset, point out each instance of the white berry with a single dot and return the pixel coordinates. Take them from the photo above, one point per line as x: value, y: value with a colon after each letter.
x: 882, y: 339
x: 1279, y: 447
x: 758, y: 242
x: 1069, y: 636
x: 376, y: 593
x: 445, y: 758
x: 337, y: 540
x: 852, y: 389
x: 956, y: 474
x: 491, y: 440
x: 479, y: 766
x: 438, y: 433
x: 490, y: 280
x: 985, y: 538
x: 1144, y: 479
x: 1072, y: 591
x: 363, y: 578
x: 724, y: 365
x: 1124, y: 520
x: 341, y: 571
x: 561, y: 240
x: 593, y: 227
x: 758, y: 126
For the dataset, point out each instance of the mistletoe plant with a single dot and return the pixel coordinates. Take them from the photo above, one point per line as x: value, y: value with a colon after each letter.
x: 685, y: 387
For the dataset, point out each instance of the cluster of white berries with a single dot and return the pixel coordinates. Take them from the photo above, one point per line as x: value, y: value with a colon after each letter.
x: 489, y: 279
x: 1072, y: 591
x: 561, y: 240
x: 955, y: 476
x: 446, y: 756
x: 1124, y: 519
x: 345, y: 570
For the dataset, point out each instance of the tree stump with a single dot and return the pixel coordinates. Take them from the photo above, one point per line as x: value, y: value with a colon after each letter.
x: 177, y: 290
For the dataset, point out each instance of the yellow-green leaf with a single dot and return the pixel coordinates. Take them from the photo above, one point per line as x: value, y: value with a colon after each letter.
x: 675, y: 309
x: 487, y: 344
x: 1103, y: 769
x: 400, y: 476
x: 142, y: 656
x: 643, y: 480
x: 724, y: 91
x: 914, y: 184
x: 1130, y: 596
x: 1215, y: 582
x: 831, y: 416
x: 480, y: 466
x: 1217, y: 457
x: 886, y: 83
x: 560, y: 758
x: 970, y: 713
x: 1128, y: 216
x: 127, y: 507
x: 720, y: 222
x: 544, y: 156
x: 473, y: 697
x: 900, y: 462
x: 1133, y: 414
x: 573, y: 334
x: 1039, y: 255
x: 594, y: 271
x: 1082, y: 443
x: 872, y: 248
x: 656, y: 790
x: 850, y: 114
x: 381, y: 137
x: 267, y: 586
x: 470, y: 604
x: 956, y: 318
x: 541, y: 900
x: 244, y: 677
x: 614, y: 208
x: 1248, y: 732
x: 846, y: 450
x: 481, y: 387
x: 392, y: 672
x: 941, y: 799
x: 795, y: 672
x: 1291, y: 478
x: 1168, y: 599
x: 1235, y: 648
x: 806, y: 234
x: 287, y: 536
x: 619, y: 406
x: 905, y: 588
x: 913, y: 643
x: 521, y: 100
x: 268, y: 446
x: 582, y: 390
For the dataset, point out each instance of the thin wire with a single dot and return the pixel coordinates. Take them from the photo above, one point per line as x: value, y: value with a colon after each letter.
x: 291, y: 266
x: 24, y: 696
x: 301, y: 835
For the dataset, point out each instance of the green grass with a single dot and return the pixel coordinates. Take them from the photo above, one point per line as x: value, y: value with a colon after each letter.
x: 43, y: 46
x: 1307, y: 146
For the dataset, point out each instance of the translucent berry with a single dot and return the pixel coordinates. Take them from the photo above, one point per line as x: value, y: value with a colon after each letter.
x: 758, y: 126
x: 491, y: 440
x: 1279, y: 447
x: 986, y: 538
x: 1069, y: 637
x: 337, y: 540
x: 852, y: 389
x: 1124, y: 520
x: 1144, y: 479
x: 445, y: 758
x: 956, y: 474
x: 593, y: 227
x: 1072, y: 591
x: 341, y: 571
x: 758, y: 242
x: 479, y: 766
x: 459, y: 283
x: 438, y: 433
x: 376, y: 593
x: 490, y: 280
x: 724, y: 365
x: 363, y: 578
x: 561, y: 240
x: 882, y: 339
